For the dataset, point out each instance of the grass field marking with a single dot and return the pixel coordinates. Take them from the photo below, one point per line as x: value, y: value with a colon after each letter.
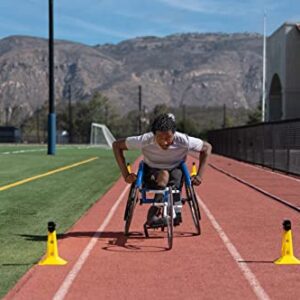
x: 22, y: 151
x: 6, y: 187
x: 45, y: 149
x: 65, y: 286
x: 248, y: 274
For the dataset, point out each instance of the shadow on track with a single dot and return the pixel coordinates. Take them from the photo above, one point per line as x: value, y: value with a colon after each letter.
x: 19, y: 264
x: 96, y: 234
x: 76, y: 234
x: 256, y: 261
x: 117, y: 240
x: 132, y: 243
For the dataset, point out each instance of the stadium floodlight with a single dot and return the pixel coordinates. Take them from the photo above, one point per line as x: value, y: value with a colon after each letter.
x: 101, y: 136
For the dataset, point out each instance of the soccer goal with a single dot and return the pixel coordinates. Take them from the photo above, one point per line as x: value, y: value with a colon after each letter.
x: 101, y: 136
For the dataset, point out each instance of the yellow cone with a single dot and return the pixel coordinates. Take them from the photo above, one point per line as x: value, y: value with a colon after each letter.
x: 52, y: 257
x: 287, y: 251
x: 194, y: 170
x: 129, y: 168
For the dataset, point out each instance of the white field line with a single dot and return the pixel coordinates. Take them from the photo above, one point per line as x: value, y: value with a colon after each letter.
x: 65, y: 286
x: 250, y: 277
x: 23, y: 151
x: 33, y: 150
x: 45, y: 149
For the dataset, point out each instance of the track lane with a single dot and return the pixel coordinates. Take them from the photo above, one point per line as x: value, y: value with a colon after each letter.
x: 43, y: 282
x: 196, y: 268
x: 253, y: 223
x: 281, y: 187
x: 139, y: 268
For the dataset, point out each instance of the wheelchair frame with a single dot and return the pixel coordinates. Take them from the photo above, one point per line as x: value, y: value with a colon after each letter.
x: 167, y: 203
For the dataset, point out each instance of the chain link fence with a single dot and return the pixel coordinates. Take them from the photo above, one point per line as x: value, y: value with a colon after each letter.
x: 275, y: 145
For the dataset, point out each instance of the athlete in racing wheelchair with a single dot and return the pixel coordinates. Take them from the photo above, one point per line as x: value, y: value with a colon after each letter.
x: 164, y: 149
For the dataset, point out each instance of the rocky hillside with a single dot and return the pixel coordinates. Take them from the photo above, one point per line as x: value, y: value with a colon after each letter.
x: 192, y: 69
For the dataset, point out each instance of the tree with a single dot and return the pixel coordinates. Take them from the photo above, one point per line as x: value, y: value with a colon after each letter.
x: 254, y: 116
x: 188, y: 126
x: 99, y: 110
x: 158, y: 110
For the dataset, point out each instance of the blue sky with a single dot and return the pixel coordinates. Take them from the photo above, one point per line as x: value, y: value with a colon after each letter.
x: 111, y: 21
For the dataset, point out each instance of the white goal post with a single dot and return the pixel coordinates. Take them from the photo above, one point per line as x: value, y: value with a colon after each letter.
x: 101, y: 136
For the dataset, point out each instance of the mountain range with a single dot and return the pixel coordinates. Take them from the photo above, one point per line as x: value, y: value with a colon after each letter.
x: 202, y: 70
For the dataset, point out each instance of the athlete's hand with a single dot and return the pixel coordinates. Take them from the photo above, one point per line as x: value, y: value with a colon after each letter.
x: 131, y: 178
x: 196, y: 180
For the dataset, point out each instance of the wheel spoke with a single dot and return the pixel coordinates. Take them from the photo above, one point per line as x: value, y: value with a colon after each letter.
x: 170, y: 219
x: 194, y: 207
x: 131, y: 202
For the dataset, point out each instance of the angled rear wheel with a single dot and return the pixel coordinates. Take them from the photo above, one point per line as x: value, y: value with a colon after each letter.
x: 194, y: 207
x: 131, y: 202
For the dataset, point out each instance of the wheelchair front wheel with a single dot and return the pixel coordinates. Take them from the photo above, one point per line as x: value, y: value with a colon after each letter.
x: 170, y: 219
x: 131, y: 202
x: 194, y: 207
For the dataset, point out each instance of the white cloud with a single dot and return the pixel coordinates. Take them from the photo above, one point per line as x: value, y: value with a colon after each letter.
x: 88, y: 26
x: 169, y: 21
x: 295, y: 19
x: 192, y: 5
x: 219, y: 7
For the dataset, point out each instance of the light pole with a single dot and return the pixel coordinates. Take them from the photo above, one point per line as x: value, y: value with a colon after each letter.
x: 264, y: 73
x: 38, y: 125
x: 70, y: 116
x: 224, y: 116
x: 144, y: 118
x: 140, y: 109
x: 51, y: 116
x: 8, y: 111
x: 183, y: 106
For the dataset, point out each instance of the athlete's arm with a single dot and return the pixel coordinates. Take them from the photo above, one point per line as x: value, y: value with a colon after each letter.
x: 203, y: 160
x: 119, y: 147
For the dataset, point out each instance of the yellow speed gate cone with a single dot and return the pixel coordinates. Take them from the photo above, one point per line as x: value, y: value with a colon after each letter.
x: 194, y: 170
x: 287, y: 251
x: 129, y: 168
x: 52, y: 257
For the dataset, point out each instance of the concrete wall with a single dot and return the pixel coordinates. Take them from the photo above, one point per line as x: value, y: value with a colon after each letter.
x: 292, y: 88
x: 283, y: 59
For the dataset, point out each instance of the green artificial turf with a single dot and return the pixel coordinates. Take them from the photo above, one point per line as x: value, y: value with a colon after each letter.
x: 62, y: 197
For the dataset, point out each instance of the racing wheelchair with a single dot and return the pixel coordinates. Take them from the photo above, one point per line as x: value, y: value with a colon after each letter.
x: 139, y: 193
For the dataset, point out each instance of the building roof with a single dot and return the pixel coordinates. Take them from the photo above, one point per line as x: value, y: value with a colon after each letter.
x: 286, y: 24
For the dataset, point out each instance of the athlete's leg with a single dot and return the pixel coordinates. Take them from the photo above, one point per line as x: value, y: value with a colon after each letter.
x: 162, y: 179
x: 155, y: 179
x: 176, y: 181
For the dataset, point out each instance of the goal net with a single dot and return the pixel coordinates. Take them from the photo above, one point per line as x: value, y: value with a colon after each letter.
x: 101, y: 135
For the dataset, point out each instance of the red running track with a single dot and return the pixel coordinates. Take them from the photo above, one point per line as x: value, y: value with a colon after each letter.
x: 262, y: 178
x: 232, y: 259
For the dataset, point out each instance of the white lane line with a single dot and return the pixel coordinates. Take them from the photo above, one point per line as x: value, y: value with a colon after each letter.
x: 256, y: 188
x: 65, y: 286
x: 263, y: 168
x: 250, y: 277
x: 275, y: 172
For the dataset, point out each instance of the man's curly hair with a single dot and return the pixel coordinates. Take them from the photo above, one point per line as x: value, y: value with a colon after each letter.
x: 164, y: 122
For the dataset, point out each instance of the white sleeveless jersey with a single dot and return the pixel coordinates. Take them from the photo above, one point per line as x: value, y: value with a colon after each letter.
x: 156, y: 157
